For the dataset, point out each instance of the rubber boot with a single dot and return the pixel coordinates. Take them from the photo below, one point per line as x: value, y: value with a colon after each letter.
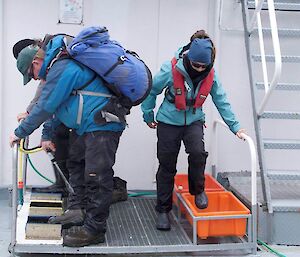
x: 59, y: 185
x: 71, y: 217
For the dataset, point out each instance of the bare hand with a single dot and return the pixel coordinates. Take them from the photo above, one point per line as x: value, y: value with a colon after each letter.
x: 48, y: 146
x: 152, y: 125
x: 13, y: 139
x: 240, y: 132
x: 22, y: 116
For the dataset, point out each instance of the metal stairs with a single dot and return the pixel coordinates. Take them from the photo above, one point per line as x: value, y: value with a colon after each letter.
x: 271, y: 27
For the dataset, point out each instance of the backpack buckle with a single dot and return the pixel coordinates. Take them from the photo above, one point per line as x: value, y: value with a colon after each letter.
x: 178, y: 91
x: 122, y: 58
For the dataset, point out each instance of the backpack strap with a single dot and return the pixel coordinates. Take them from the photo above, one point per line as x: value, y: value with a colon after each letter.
x: 120, y: 60
x: 80, y: 92
x: 179, y: 87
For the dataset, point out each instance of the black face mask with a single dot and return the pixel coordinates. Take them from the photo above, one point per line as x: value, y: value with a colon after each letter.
x: 196, y: 76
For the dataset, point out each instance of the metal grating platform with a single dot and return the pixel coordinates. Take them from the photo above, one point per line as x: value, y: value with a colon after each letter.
x: 132, y: 223
x: 239, y: 183
x: 131, y: 230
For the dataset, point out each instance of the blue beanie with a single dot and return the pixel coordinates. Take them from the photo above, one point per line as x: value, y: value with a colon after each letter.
x: 200, y: 51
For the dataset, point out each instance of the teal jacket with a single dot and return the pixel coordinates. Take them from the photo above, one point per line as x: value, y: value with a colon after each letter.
x: 168, y: 113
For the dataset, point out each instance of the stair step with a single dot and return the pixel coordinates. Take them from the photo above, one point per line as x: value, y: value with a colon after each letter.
x: 38, y: 231
x: 281, y: 32
x: 281, y: 144
x: 284, y: 174
x: 271, y: 58
x: 281, y: 115
x: 281, y: 86
x: 286, y: 205
x: 279, y: 5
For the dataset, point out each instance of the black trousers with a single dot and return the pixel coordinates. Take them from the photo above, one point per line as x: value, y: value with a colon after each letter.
x: 61, y: 140
x: 90, y: 163
x: 168, y: 146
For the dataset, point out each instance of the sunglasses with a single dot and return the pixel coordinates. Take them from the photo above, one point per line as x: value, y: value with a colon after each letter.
x: 30, y: 71
x: 199, y: 65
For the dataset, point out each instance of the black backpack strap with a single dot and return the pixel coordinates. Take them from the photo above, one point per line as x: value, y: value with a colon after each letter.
x: 120, y: 60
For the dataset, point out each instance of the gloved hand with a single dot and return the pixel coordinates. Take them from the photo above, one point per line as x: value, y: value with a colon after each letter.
x: 48, y: 146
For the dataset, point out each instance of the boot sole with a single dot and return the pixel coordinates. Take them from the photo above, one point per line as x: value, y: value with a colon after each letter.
x: 64, y: 223
x: 69, y: 225
x: 93, y: 242
x: 164, y: 228
x: 202, y: 207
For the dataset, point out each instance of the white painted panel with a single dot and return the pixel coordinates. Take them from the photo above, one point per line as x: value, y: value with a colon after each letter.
x: 155, y: 29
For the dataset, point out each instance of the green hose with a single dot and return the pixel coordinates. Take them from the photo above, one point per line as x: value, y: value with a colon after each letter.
x: 40, y: 174
x: 20, y: 196
x: 270, y: 249
x: 141, y: 194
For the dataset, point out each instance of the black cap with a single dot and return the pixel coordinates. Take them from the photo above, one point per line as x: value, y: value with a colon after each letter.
x: 20, y: 45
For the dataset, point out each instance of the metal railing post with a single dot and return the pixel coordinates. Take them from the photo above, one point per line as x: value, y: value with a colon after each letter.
x: 253, y: 156
x: 277, y: 54
x: 14, y: 197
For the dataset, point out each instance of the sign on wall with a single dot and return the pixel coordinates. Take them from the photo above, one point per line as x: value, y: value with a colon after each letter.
x: 71, y: 11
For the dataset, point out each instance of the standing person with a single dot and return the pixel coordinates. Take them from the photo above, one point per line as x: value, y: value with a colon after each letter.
x: 58, y: 140
x: 188, y: 79
x: 94, y: 141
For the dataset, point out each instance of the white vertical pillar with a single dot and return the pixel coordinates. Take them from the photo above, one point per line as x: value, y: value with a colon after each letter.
x: 211, y: 112
x: 1, y: 89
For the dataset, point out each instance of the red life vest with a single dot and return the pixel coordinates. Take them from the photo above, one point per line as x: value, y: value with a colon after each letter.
x: 179, y: 88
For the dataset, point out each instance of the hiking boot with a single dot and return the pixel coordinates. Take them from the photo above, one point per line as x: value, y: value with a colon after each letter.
x: 163, y: 221
x: 119, y: 195
x: 201, y: 200
x: 69, y: 218
x: 82, y: 237
x: 119, y: 190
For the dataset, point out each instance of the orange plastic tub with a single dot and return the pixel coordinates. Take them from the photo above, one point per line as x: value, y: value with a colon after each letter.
x: 219, y: 204
x: 181, y: 185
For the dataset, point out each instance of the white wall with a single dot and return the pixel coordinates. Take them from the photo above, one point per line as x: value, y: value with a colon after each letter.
x: 154, y: 29
x: 1, y: 91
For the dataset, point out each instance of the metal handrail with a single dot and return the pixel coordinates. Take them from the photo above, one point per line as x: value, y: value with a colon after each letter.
x: 258, y: 7
x: 14, y: 198
x: 262, y: 51
x: 253, y: 155
x: 276, y: 49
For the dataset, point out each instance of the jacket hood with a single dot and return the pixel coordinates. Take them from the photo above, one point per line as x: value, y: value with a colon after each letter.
x: 52, y: 49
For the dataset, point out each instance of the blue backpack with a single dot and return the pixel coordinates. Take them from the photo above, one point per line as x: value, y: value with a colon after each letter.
x: 124, y: 73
